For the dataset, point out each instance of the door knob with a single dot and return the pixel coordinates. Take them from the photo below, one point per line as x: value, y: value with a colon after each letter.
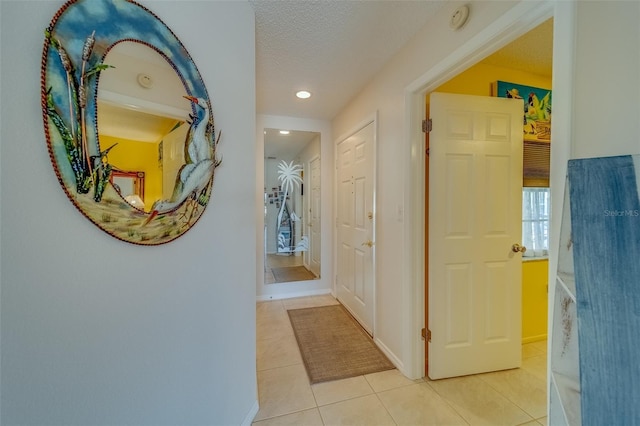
x: 368, y: 243
x: 517, y: 248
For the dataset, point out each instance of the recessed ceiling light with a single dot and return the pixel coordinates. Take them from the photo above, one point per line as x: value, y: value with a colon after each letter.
x: 284, y: 132
x: 303, y: 94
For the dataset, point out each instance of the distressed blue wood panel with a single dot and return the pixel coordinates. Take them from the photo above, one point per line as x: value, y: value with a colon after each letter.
x: 605, y: 216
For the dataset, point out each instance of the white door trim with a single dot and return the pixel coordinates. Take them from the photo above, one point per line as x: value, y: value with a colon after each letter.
x: 371, y: 118
x: 517, y: 21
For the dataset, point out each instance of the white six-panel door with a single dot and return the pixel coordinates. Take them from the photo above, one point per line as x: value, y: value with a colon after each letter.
x: 314, y: 216
x: 475, y: 217
x: 355, y: 223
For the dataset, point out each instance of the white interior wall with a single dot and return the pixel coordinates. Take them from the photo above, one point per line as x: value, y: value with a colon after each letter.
x: 98, y: 331
x: 602, y: 69
x: 396, y: 301
x: 301, y: 288
x: 606, y: 79
x: 580, y: 123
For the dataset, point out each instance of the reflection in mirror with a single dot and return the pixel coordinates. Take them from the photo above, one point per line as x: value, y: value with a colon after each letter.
x: 291, y: 206
x: 130, y: 186
x: 142, y: 114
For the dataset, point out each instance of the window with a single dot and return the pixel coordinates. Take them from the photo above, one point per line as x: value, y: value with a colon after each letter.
x: 535, y: 221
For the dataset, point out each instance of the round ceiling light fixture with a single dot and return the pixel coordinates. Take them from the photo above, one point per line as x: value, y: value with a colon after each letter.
x: 303, y: 94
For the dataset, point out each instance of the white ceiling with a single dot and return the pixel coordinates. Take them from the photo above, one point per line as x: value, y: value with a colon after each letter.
x: 286, y: 147
x: 330, y: 47
x: 310, y: 45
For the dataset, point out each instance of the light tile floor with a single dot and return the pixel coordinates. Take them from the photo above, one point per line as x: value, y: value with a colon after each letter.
x: 278, y: 261
x: 512, y: 397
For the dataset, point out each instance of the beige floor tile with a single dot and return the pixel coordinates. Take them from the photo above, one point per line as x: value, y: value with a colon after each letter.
x: 419, y: 404
x: 340, y: 390
x: 309, y: 301
x: 531, y: 423
x: 478, y: 403
x: 283, y: 390
x: 269, y: 278
x: 521, y: 387
x: 364, y: 411
x: 278, y: 260
x: 389, y: 379
x: 541, y: 345
x: 273, y: 326
x: 280, y: 351
x: 543, y: 421
x: 531, y: 349
x: 301, y: 418
x: 265, y: 309
x: 536, y: 365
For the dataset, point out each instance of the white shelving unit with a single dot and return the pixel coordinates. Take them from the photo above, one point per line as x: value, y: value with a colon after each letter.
x: 564, y: 407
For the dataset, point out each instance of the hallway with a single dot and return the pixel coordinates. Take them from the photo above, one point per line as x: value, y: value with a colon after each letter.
x: 513, y: 397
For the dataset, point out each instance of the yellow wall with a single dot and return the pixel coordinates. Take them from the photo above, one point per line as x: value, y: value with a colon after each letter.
x: 131, y: 156
x: 478, y: 80
x: 534, y: 300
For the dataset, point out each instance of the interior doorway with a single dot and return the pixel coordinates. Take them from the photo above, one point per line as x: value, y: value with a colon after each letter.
x: 355, y: 224
x: 480, y: 79
x: 517, y: 21
x: 508, y: 64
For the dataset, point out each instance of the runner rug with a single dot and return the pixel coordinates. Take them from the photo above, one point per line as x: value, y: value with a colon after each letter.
x: 333, y: 345
x: 291, y: 273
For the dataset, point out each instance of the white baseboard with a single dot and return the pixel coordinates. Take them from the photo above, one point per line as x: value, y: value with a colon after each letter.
x: 248, y: 419
x: 392, y: 357
x: 279, y: 296
x: 532, y: 339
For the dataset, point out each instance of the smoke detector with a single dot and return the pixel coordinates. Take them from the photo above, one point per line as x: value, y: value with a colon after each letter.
x: 459, y: 17
x: 145, y: 80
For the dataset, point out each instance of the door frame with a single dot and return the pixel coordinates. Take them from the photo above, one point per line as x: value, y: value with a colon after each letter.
x: 517, y: 21
x: 371, y: 118
x: 307, y: 209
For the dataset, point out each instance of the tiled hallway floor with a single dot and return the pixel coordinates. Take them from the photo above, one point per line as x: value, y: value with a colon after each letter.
x: 512, y: 397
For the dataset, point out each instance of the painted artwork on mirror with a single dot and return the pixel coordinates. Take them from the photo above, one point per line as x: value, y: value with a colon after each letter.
x: 289, y: 175
x: 605, y: 228
x: 121, y: 96
x: 292, y: 225
x: 537, y: 108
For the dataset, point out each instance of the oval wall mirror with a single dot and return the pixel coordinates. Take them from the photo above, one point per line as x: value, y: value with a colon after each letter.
x: 128, y: 120
x: 292, y: 205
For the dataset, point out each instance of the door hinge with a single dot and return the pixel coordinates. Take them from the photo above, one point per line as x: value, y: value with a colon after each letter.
x: 426, y: 334
x: 427, y: 125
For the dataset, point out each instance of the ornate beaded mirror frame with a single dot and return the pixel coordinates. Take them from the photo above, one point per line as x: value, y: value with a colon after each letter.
x: 99, y: 66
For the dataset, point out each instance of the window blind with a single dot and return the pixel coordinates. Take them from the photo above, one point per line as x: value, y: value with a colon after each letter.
x: 536, y: 164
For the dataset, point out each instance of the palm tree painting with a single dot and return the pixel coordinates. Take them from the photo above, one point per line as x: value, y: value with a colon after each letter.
x: 290, y: 177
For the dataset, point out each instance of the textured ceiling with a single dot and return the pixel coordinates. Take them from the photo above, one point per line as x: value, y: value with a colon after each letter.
x: 286, y: 147
x: 331, y: 48
x: 531, y: 52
